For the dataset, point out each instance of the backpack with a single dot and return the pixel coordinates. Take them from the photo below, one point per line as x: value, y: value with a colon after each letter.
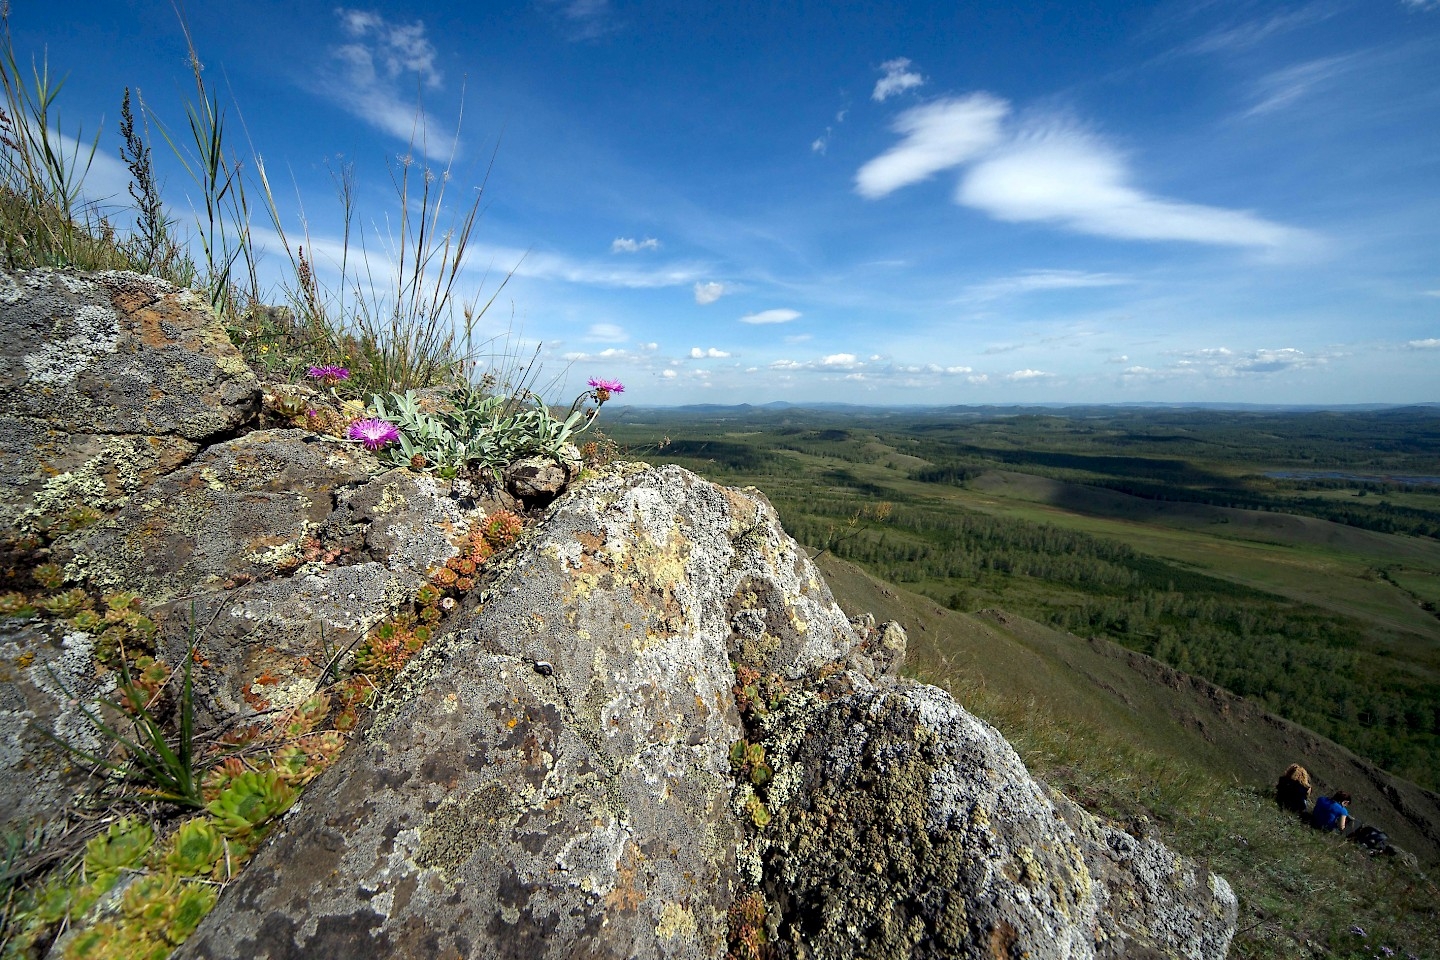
x: 1371, y: 839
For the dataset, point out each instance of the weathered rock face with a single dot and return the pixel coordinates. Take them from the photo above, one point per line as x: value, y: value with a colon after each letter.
x: 567, y: 770
x: 944, y: 846
x: 555, y: 778
x: 107, y: 380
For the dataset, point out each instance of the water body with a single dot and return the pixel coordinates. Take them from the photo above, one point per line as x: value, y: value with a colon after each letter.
x: 1353, y: 477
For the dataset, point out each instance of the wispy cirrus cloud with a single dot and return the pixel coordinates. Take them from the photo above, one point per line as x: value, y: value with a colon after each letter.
x: 771, y: 316
x: 549, y: 265
x: 582, y: 19
x: 1238, y: 37
x: 378, y: 74
x: 1032, y: 281
x: 1283, y: 87
x: 897, y: 77
x: 631, y: 245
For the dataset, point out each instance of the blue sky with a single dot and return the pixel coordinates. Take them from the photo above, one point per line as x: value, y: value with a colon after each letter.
x: 1212, y: 200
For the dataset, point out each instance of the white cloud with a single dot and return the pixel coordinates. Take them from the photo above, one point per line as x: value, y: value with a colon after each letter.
x: 1020, y: 375
x: 554, y: 266
x: 582, y: 19
x: 1422, y: 4
x: 1243, y: 36
x: 374, y: 75
x: 771, y: 316
x: 1062, y: 175
x: 1431, y: 293
x: 631, y: 245
x: 1224, y: 363
x: 606, y: 333
x: 697, y: 354
x: 1123, y: 358
x: 818, y: 145
x: 1283, y: 87
x: 668, y: 374
x: 799, y: 337
x: 845, y: 361
x: 650, y: 347
x: 897, y: 78
x: 1048, y: 172
x: 707, y: 292
x: 1432, y: 343
x: 937, y: 136
x: 1033, y: 280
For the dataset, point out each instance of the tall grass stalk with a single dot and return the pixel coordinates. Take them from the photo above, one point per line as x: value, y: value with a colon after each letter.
x: 40, y: 180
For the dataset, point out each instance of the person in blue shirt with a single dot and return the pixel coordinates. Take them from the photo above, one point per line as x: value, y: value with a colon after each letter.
x: 1331, y: 813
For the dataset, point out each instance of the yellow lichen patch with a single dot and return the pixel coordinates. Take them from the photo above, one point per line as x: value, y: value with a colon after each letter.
x: 676, y: 921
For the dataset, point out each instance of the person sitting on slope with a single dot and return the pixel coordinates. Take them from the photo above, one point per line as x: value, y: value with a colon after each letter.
x: 1292, y: 792
x: 1331, y: 813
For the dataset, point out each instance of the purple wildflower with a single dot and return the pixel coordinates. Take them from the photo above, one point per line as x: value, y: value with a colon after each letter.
x: 1387, y: 951
x: 329, y: 375
x: 604, y: 388
x: 1358, y: 931
x: 373, y: 433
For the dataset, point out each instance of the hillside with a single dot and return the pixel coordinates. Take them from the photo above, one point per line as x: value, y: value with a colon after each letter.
x: 1097, y: 682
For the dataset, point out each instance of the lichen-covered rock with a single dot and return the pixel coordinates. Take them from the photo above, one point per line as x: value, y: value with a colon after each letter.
x: 554, y: 780
x: 47, y: 674
x: 107, y: 380
x: 905, y: 827
x: 237, y: 512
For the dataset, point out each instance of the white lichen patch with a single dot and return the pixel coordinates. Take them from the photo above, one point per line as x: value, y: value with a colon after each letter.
x: 10, y: 291
x: 69, y: 681
x: 277, y: 556
x: 94, y: 330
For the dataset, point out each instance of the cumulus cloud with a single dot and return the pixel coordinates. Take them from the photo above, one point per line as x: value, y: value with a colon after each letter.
x: 1020, y: 375
x: 897, y: 77
x: 375, y: 72
x: 631, y: 245
x: 668, y: 374
x: 1433, y: 343
x: 1038, y: 280
x: 1224, y: 363
x: 771, y: 316
x: 707, y: 292
x: 937, y: 136
x: 697, y: 354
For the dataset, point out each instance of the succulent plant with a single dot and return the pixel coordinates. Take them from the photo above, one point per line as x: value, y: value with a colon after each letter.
x: 502, y: 528
x: 49, y: 575
x: 250, y: 800
x: 65, y: 604
x: 16, y: 605
x: 123, y: 845
x: 195, y: 848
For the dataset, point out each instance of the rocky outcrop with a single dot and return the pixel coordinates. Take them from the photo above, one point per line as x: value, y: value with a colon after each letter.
x: 648, y: 732
x: 107, y: 381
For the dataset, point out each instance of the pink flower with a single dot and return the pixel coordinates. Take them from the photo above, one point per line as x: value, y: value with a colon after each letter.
x: 373, y: 433
x: 604, y: 388
x: 329, y: 375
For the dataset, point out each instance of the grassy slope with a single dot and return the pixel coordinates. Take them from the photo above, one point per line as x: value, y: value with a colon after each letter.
x: 1130, y: 737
